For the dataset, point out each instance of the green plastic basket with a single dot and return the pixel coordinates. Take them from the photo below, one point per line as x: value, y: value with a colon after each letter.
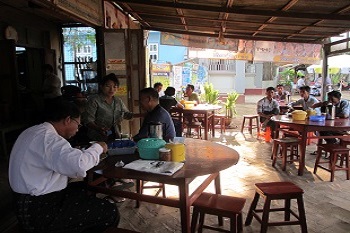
x: 149, y: 148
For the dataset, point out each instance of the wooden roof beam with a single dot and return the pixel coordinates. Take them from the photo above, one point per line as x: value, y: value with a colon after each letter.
x: 237, y: 10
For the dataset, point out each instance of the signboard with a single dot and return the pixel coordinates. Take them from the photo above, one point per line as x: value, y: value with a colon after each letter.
x: 165, y: 68
x: 177, y: 70
x: 116, y: 64
x: 167, y: 38
x: 88, y: 10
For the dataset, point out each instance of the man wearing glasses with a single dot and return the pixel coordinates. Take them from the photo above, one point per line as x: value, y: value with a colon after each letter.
x: 41, y: 163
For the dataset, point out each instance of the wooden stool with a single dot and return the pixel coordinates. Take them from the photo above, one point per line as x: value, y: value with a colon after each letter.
x: 335, y: 151
x: 277, y: 191
x: 345, y: 141
x: 251, y: 126
x: 220, y: 205
x: 221, y: 121
x: 290, y: 144
x: 194, y: 125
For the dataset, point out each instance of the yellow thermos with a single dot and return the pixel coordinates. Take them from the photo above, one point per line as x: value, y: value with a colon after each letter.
x: 178, y: 151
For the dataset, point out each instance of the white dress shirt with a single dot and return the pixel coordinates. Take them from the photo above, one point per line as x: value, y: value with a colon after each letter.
x: 41, y: 161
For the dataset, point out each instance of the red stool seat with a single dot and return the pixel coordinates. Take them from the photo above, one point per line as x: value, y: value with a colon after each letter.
x: 221, y: 206
x: 277, y: 191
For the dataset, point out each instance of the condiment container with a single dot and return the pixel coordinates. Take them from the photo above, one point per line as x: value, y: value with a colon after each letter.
x: 178, y: 151
x: 164, y: 154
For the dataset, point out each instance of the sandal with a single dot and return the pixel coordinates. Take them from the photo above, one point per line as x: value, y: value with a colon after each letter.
x: 114, y: 200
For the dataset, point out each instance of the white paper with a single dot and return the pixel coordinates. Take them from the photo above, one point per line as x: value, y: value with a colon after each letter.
x: 155, y: 166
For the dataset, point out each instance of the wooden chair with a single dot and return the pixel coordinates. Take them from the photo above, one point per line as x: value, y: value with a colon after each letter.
x: 288, y: 144
x: 221, y: 206
x: 251, y: 124
x: 336, y: 152
x: 277, y: 191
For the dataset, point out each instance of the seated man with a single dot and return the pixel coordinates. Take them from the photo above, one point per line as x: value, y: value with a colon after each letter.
x: 149, y: 101
x: 342, y: 110
x: 281, y: 94
x: 266, y: 108
x: 167, y: 102
x: 41, y: 163
x: 190, y: 94
x: 307, y: 100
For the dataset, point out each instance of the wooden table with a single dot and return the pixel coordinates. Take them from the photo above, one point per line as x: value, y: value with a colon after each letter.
x: 202, y: 158
x: 201, y: 111
x: 309, y: 126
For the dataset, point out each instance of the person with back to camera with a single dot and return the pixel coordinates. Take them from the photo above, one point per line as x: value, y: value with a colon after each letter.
x: 41, y: 163
x: 268, y: 107
x: 105, y: 112
x: 167, y: 102
x: 51, y: 85
x: 149, y: 101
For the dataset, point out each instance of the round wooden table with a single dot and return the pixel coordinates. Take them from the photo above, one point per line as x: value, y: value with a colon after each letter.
x: 202, y: 158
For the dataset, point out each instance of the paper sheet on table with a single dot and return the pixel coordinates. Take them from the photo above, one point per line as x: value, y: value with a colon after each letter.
x: 152, y: 166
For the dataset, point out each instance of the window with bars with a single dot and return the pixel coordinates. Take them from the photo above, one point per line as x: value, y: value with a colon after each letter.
x: 79, y: 49
x: 153, y: 51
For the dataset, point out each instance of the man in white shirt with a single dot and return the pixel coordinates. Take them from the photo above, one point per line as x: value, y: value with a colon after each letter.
x: 267, y: 107
x: 301, y: 82
x: 41, y: 162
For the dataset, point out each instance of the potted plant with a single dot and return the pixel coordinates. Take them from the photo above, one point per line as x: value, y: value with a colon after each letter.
x: 230, y: 106
x: 211, y: 96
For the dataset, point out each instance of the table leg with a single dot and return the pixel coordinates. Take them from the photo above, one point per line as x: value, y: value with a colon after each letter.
x: 302, y: 152
x: 185, y: 207
x: 212, y: 124
x: 206, y: 125
x: 218, y: 191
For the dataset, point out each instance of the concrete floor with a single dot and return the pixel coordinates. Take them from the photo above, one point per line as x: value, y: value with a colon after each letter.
x: 327, y: 203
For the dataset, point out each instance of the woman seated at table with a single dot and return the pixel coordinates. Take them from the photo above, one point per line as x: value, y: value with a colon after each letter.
x: 167, y: 102
x: 306, y: 101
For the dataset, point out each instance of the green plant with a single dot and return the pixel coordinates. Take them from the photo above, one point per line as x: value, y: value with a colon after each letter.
x: 211, y: 96
x: 287, y: 77
x: 230, y: 104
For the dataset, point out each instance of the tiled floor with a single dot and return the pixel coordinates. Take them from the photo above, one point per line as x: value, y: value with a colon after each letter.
x: 327, y: 203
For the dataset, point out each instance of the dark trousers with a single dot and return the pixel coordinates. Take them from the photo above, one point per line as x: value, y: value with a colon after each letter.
x: 332, y: 133
x: 178, y: 127
x: 69, y: 210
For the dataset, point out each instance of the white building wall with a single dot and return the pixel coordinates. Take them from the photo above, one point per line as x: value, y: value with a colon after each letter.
x: 224, y: 82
